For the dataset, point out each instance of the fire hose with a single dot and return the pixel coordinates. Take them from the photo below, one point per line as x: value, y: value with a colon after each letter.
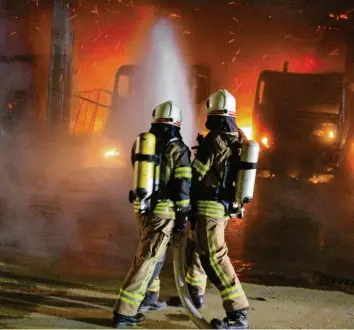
x: 178, y: 251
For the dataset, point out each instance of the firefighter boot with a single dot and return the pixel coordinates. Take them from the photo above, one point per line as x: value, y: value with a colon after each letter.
x: 123, y: 321
x: 151, y: 302
x: 234, y: 320
x: 198, y: 301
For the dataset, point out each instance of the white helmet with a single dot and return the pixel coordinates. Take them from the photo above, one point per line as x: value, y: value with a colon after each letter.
x: 221, y: 103
x: 167, y: 113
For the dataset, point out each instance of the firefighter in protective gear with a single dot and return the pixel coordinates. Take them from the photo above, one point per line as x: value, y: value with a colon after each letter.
x: 211, y: 205
x: 170, y: 208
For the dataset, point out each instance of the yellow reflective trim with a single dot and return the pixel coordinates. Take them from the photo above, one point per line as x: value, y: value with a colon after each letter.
x: 183, y: 176
x: 196, y: 277
x: 213, y: 260
x: 214, y: 204
x: 133, y: 295
x: 197, y: 281
x: 129, y: 302
x: 211, y: 213
x: 233, y: 288
x: 235, y: 295
x: 184, y: 172
x: 185, y: 202
x: 183, y: 169
x: 200, y: 167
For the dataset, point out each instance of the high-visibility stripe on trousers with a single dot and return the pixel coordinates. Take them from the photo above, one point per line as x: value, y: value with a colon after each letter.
x: 217, y: 264
x: 196, y: 276
x: 155, y: 234
x: 155, y: 285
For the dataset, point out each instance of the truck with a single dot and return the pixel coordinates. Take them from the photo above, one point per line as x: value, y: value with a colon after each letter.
x: 301, y: 121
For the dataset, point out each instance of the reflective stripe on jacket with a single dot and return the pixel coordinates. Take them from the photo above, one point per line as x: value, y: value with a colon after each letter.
x: 208, y: 168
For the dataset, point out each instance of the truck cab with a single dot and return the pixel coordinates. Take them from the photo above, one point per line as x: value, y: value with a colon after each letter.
x: 301, y: 122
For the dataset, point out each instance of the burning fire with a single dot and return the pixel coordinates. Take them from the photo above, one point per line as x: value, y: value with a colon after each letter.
x: 111, y: 153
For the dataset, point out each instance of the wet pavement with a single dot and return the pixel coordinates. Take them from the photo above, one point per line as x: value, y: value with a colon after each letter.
x: 82, y: 226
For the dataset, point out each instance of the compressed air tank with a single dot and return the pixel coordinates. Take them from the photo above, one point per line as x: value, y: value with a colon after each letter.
x: 144, y: 166
x: 247, y: 172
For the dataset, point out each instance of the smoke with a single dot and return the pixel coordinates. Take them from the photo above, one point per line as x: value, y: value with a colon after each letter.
x: 57, y: 212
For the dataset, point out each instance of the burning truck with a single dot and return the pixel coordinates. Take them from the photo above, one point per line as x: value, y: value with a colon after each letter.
x: 301, y: 121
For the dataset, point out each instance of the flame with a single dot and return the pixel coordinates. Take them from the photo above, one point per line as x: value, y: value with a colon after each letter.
x: 331, y: 135
x: 265, y: 141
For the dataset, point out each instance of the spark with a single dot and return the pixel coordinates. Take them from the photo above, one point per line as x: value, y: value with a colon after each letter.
x: 113, y: 11
x: 98, y: 36
x: 80, y: 69
x: 232, y: 40
x: 265, y: 56
x: 334, y: 52
x: 95, y: 11
x: 187, y: 32
x: 238, y: 52
x: 233, y: 60
x: 232, y: 3
x: 235, y: 19
x: 239, y: 86
x: 13, y: 33
x: 174, y: 15
x: 231, y: 32
x: 71, y: 17
x: 116, y: 47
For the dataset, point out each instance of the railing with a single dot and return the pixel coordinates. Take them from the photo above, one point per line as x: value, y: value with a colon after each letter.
x: 92, y: 105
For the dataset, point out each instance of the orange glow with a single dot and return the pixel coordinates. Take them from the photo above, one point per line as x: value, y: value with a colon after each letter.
x: 111, y: 153
x: 327, y: 133
x: 331, y: 135
x: 174, y: 15
x: 99, y: 52
x: 265, y: 141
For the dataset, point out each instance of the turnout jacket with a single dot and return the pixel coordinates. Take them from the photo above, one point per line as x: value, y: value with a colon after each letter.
x: 175, y: 178
x: 208, y: 171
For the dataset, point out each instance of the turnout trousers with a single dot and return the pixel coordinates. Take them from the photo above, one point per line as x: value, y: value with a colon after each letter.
x: 155, y: 234
x: 216, y: 264
x: 196, y: 276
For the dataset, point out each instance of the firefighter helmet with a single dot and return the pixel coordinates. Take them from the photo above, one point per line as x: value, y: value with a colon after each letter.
x: 221, y: 103
x: 167, y: 113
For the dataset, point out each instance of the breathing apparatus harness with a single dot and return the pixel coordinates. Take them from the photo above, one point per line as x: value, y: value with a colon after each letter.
x: 226, y: 190
x: 159, y: 188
